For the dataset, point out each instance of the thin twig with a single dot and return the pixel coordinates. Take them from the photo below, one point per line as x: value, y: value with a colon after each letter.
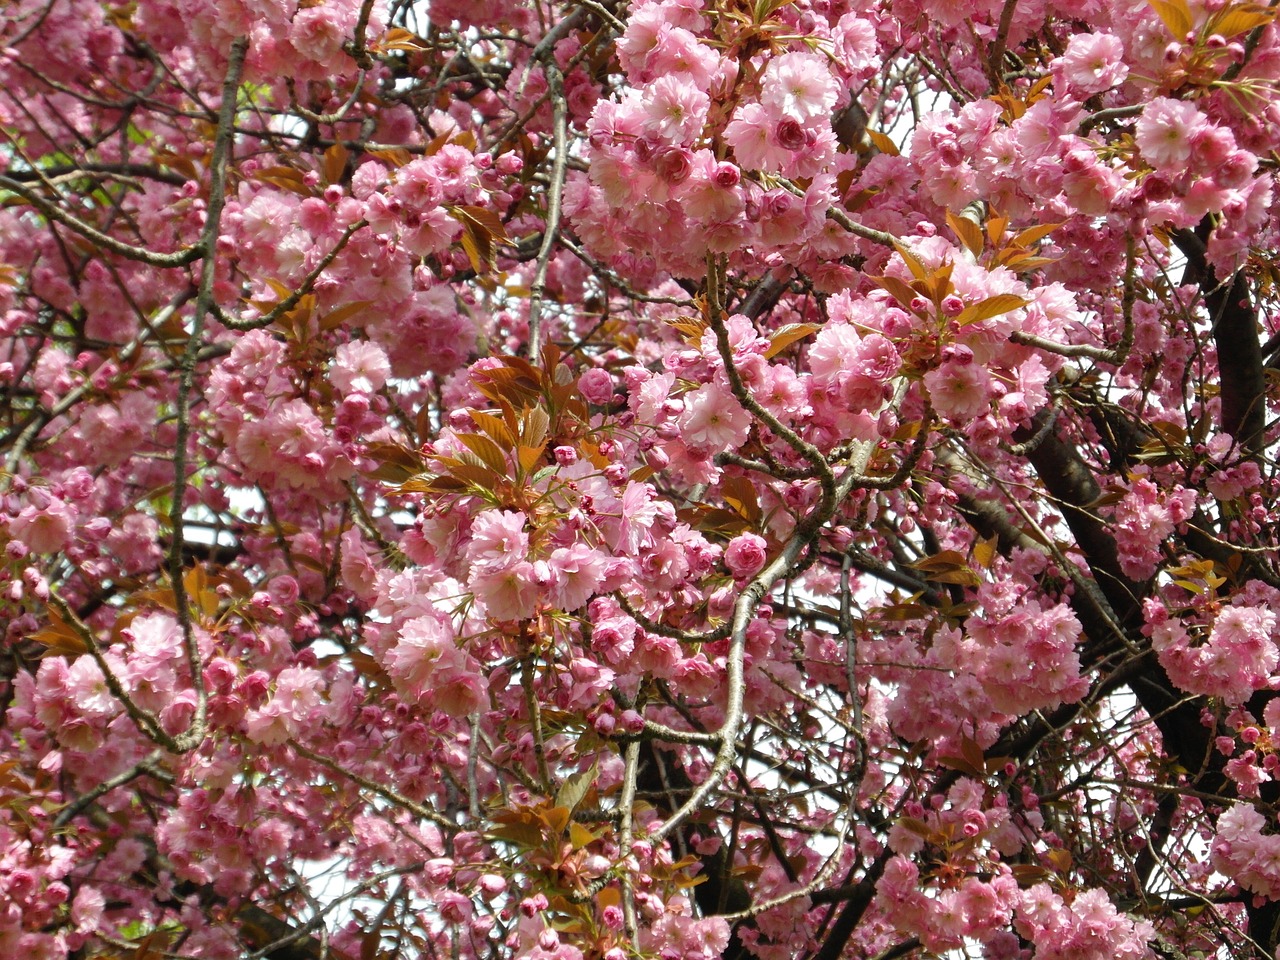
x: 294, y: 298
x: 380, y: 789
x: 560, y: 134
x: 186, y: 381
x: 128, y: 251
x: 146, y: 723
x: 148, y: 767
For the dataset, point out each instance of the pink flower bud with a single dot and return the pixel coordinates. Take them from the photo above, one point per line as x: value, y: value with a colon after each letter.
x: 726, y: 175
x: 283, y: 590
x: 673, y: 164
x: 219, y: 674
x: 438, y: 869
x: 532, y: 906
x: 454, y: 907
x: 596, y: 385
x: 789, y: 134
x: 254, y: 687
x: 176, y: 717
x: 645, y: 149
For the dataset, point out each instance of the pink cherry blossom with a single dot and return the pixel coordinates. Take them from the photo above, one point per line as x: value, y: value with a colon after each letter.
x: 1165, y: 132
x: 674, y: 110
x: 360, y: 367
x: 713, y: 419
x: 578, y: 571
x: 751, y: 134
x: 667, y: 478
x: 745, y: 555
x: 959, y: 391
x: 1094, y: 62
x: 798, y: 85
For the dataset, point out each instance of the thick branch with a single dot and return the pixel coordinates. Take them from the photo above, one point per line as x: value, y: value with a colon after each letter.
x: 1235, y: 334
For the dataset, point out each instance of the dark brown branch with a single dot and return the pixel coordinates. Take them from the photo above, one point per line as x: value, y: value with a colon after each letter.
x: 1073, y: 487
x: 1235, y: 334
x: 143, y: 171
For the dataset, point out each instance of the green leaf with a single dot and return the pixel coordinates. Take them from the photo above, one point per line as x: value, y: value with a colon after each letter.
x: 991, y: 307
x: 575, y: 787
x: 764, y: 9
x: 543, y: 474
x: 899, y: 290
x: 484, y: 448
x: 914, y: 263
x: 1176, y: 16
x: 969, y: 233
x: 788, y: 334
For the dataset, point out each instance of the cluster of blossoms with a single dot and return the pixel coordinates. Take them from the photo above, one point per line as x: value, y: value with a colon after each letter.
x: 276, y: 437
x: 499, y: 629
x: 658, y: 152
x: 971, y: 367
x: 1147, y: 515
x: 974, y: 909
x: 788, y: 131
x: 1088, y: 928
x: 299, y: 40
x: 41, y: 519
x: 35, y: 891
x: 1013, y: 656
x: 1245, y: 852
x: 425, y: 662
x: 376, y: 282
x: 979, y: 154
x: 72, y: 701
x: 1234, y: 656
x: 1256, y: 764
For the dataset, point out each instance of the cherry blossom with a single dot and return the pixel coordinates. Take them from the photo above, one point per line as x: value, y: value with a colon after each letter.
x: 678, y: 479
